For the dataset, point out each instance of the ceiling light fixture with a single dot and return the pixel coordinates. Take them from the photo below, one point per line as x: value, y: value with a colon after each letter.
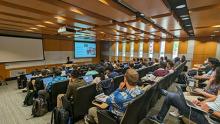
x: 48, y: 22
x: 212, y: 35
x: 76, y: 11
x: 180, y: 6
x: 42, y: 26
x: 104, y: 2
x: 34, y: 28
x: 216, y: 31
x: 60, y: 18
x: 216, y: 26
x: 29, y: 30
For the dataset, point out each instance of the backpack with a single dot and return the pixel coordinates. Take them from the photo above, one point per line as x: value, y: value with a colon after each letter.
x: 107, y: 86
x: 29, y: 98
x: 60, y: 116
x: 39, y: 107
x: 39, y: 85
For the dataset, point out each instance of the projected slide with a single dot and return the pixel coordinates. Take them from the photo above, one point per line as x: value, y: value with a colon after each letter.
x: 85, y: 50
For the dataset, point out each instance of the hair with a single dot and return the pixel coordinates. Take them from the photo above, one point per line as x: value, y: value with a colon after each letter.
x: 132, y: 77
x: 170, y: 63
x: 176, y: 59
x: 44, y: 72
x: 215, y: 62
x: 165, y: 58
x: 131, y: 64
x: 183, y: 58
x: 110, y: 68
x: 163, y: 65
x: 57, y: 72
x: 156, y: 60
x: 217, y: 75
x: 75, y: 73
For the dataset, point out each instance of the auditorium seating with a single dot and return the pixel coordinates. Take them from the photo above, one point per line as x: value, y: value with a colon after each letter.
x: 83, y: 100
x: 137, y: 110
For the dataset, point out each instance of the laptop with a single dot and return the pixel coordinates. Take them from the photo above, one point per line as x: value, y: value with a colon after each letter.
x: 47, y: 80
x: 88, y: 79
x: 187, y: 102
x: 28, y: 76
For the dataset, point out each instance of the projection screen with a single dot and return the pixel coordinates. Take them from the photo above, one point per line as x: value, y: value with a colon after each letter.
x: 15, y: 49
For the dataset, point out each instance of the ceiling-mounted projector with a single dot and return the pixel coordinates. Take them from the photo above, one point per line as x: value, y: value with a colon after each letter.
x: 66, y: 30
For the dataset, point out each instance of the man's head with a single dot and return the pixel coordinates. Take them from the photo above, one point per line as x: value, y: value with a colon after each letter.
x: 163, y: 65
x: 131, y: 77
x: 74, y: 74
x: 57, y: 72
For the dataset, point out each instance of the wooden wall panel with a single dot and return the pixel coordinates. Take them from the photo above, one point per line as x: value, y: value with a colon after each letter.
x: 57, y: 45
x: 136, y: 46
x: 183, y: 45
x: 169, y: 47
x: 156, y: 47
x: 98, y: 53
x: 146, y: 46
x: 203, y: 50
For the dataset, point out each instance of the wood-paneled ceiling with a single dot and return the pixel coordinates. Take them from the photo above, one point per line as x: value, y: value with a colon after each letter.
x: 107, y: 19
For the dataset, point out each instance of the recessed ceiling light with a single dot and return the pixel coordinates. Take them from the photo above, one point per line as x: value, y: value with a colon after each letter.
x: 60, y: 18
x: 216, y: 26
x: 102, y: 32
x: 42, y: 26
x: 76, y: 11
x: 104, y: 2
x: 48, y: 22
x: 212, y: 35
x: 34, y: 28
x: 216, y: 31
x: 180, y: 6
x: 185, y: 18
x: 29, y: 30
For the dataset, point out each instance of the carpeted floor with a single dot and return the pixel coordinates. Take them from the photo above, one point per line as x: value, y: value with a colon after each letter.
x: 12, y: 112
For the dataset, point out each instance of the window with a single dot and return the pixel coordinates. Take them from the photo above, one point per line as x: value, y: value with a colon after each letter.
x: 162, y: 48
x: 132, y: 49
x: 116, y: 49
x: 123, y: 51
x: 175, y: 49
x: 140, y: 55
x: 151, y: 49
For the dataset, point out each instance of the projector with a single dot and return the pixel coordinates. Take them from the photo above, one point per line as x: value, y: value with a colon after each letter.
x: 66, y: 30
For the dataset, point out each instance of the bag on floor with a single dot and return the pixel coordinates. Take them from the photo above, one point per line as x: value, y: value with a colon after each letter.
x: 39, y: 107
x: 60, y: 116
x: 29, y: 98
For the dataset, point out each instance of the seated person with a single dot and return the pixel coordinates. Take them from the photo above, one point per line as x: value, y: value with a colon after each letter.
x: 91, y: 71
x: 101, y: 76
x: 173, y: 99
x: 57, y: 78
x: 131, y: 65
x: 170, y: 66
x: 110, y: 72
x: 144, y: 64
x: 176, y: 61
x: 213, y: 63
x: 126, y: 92
x: 161, y: 71
x: 74, y: 83
x: 213, y: 87
x: 156, y: 61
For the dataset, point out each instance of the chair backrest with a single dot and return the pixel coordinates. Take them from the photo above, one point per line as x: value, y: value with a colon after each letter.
x: 117, y: 80
x: 133, y: 111
x: 83, y: 100
x: 56, y: 89
x: 141, y: 72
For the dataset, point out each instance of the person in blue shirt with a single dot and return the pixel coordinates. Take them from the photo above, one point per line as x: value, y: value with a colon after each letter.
x: 91, y: 71
x: 57, y: 78
x: 120, y: 98
x: 110, y: 72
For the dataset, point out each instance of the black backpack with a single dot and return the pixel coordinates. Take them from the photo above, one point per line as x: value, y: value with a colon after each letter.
x: 29, y: 98
x: 60, y: 116
x: 39, y: 107
x: 107, y: 86
x: 39, y: 84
